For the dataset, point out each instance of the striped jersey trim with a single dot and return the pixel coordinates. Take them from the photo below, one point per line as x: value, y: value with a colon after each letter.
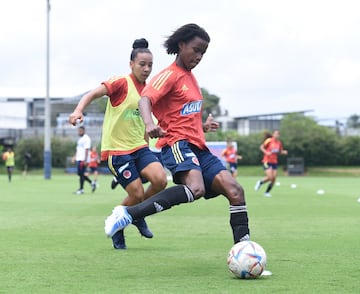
x: 161, y: 79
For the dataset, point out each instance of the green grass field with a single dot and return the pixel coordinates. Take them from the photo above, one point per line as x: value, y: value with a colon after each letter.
x: 53, y: 241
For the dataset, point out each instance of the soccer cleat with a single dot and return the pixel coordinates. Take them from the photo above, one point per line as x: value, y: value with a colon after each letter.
x: 117, y: 221
x: 266, y: 273
x: 93, y: 186
x: 143, y: 228
x: 257, y: 186
x: 267, y: 194
x: 79, y: 192
x: 114, y: 183
x: 119, y: 240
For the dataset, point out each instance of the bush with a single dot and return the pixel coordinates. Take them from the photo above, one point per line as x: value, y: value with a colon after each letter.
x: 60, y: 149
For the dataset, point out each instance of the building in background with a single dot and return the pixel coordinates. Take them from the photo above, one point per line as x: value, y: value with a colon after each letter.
x: 25, y: 117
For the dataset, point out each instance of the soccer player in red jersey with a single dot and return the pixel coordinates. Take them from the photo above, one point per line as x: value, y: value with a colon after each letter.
x: 229, y: 154
x: 271, y: 148
x: 94, y: 161
x: 175, y: 98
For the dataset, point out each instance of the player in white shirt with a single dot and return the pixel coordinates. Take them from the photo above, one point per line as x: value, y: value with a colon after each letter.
x: 82, y: 158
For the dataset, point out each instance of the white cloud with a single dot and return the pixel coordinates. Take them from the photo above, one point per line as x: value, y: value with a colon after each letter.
x: 344, y: 72
x: 264, y: 56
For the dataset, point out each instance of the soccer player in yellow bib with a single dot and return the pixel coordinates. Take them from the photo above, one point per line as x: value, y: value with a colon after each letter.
x: 9, y: 158
x: 123, y: 142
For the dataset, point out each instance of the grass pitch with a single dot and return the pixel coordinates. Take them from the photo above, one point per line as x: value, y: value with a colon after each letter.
x: 53, y: 241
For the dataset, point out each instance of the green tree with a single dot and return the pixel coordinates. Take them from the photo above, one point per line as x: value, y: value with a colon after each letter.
x: 349, y: 150
x: 210, y: 104
x: 303, y: 137
x: 353, y: 121
x: 102, y: 102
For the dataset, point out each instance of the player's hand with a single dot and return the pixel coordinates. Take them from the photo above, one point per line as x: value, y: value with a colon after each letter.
x: 154, y: 131
x: 211, y: 125
x: 76, y: 117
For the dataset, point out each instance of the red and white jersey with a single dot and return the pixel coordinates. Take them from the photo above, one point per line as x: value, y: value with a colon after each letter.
x: 177, y: 104
x: 230, y: 154
x: 275, y: 147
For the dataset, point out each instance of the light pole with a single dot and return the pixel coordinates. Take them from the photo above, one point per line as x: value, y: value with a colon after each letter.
x: 47, y: 130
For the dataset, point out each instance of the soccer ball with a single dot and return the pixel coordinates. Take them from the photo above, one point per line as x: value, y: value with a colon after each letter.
x: 246, y: 260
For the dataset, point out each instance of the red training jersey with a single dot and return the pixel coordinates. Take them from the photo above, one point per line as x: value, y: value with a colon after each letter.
x: 275, y: 147
x: 230, y: 154
x: 177, y: 104
x: 94, y: 159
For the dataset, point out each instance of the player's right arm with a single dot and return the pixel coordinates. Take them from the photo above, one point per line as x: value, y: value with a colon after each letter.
x: 77, y: 115
x: 152, y: 130
x: 263, y: 147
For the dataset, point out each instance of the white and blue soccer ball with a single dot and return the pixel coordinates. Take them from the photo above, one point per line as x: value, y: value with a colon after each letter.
x: 247, y: 260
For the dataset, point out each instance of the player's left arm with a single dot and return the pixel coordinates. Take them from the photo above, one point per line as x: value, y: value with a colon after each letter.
x: 283, y: 151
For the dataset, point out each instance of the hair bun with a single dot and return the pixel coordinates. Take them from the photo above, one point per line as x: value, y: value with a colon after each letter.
x: 140, y: 43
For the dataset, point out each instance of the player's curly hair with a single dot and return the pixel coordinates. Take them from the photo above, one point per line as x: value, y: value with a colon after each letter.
x: 184, y: 34
x: 139, y: 46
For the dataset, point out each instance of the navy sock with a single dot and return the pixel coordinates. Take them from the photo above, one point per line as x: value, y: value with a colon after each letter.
x: 239, y: 222
x: 161, y: 201
x: 269, y: 187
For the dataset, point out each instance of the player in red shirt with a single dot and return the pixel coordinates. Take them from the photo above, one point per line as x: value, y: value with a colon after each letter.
x: 174, y: 96
x: 229, y: 154
x: 94, y: 160
x: 271, y: 148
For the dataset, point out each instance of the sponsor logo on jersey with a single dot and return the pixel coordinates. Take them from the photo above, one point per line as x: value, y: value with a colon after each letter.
x: 131, y: 113
x: 275, y: 150
x: 192, y: 107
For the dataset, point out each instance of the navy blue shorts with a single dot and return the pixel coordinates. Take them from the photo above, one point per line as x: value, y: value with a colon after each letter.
x: 232, y: 167
x: 81, y: 168
x: 127, y: 168
x: 268, y: 165
x: 183, y: 156
x: 93, y: 169
x: 158, y: 155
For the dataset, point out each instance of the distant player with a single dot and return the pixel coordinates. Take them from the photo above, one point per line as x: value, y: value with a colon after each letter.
x: 82, y: 160
x: 27, y: 162
x: 271, y: 148
x: 9, y: 158
x: 93, y: 165
x: 229, y: 154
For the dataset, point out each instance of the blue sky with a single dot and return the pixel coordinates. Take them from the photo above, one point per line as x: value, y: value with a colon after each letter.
x: 264, y: 56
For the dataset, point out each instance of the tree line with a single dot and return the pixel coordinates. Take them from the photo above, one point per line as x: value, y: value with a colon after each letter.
x: 302, y: 136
